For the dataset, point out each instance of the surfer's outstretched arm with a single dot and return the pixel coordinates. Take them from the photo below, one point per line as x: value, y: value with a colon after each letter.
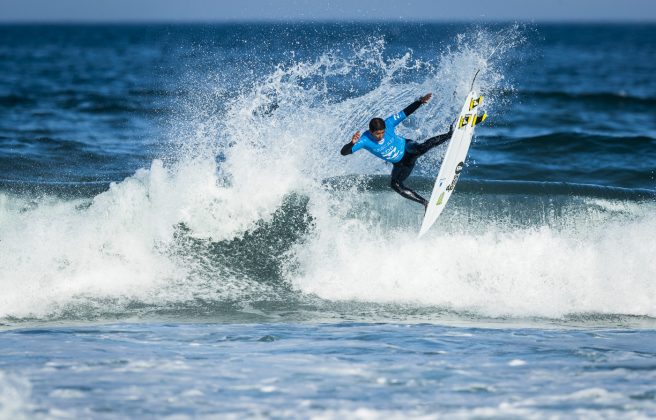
x: 416, y: 104
x: 347, y: 149
x: 393, y: 120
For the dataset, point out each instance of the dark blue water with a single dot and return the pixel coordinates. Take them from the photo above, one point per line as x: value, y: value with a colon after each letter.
x: 92, y: 103
x: 180, y: 236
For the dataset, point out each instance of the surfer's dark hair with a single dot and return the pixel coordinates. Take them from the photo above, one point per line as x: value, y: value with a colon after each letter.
x: 376, y: 124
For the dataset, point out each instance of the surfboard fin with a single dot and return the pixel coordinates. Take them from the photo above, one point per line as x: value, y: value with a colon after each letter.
x: 464, y: 120
x: 479, y: 119
x: 475, y: 102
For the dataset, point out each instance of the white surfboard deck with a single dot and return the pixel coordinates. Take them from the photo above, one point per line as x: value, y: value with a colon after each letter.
x: 452, y: 165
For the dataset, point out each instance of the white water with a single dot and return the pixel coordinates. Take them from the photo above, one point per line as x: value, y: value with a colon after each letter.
x: 283, y: 135
x: 543, y: 271
x: 14, y: 397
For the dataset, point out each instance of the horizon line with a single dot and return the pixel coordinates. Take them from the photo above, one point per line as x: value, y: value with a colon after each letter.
x: 318, y: 21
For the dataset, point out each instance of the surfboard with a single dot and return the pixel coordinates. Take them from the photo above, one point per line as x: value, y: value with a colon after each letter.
x: 454, y: 160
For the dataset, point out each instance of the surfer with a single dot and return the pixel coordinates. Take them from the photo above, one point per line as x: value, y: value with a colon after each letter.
x: 381, y: 141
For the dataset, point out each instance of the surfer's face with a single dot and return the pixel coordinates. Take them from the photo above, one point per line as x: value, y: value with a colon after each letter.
x: 378, y: 134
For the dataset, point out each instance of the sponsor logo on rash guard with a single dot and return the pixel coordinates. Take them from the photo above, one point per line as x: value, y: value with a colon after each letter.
x: 391, y: 153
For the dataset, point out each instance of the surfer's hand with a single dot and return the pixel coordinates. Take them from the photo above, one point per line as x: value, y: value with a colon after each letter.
x: 355, y: 137
x: 426, y: 98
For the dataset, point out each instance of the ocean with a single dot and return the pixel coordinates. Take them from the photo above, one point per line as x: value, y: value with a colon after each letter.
x: 180, y: 236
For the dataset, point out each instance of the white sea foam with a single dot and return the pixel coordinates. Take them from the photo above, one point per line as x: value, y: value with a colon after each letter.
x: 14, y: 397
x: 535, y: 271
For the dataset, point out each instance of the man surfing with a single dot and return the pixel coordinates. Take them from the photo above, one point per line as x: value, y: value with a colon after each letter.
x: 381, y: 141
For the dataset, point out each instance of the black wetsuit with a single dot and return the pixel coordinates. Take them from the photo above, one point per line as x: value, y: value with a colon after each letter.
x: 404, y: 167
x: 402, y: 170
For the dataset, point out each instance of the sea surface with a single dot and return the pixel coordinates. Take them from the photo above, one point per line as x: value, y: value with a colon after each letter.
x: 180, y: 236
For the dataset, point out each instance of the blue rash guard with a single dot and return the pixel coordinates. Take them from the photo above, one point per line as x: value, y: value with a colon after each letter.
x: 391, y: 148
